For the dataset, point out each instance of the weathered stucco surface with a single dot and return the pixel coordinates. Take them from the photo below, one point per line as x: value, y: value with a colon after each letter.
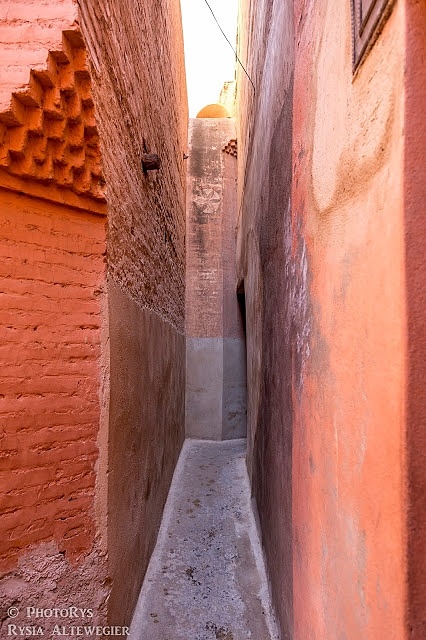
x: 349, y: 441
x: 137, y: 66
x: 321, y: 258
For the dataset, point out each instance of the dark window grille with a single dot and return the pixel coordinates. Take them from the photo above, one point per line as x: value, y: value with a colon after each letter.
x: 368, y: 18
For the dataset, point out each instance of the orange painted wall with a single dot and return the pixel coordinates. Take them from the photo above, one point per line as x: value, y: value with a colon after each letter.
x: 52, y: 277
x: 53, y: 325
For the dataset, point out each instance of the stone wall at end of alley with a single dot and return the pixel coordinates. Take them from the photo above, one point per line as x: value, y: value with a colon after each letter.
x: 138, y: 74
x: 321, y: 259
x: 215, y: 344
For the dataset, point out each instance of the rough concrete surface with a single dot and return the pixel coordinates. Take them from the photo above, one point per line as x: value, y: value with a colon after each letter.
x: 234, y: 405
x: 206, y: 578
x: 204, y: 381
x: 216, y: 391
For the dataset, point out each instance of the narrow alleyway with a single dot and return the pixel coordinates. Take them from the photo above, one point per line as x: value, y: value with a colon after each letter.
x: 206, y: 579
x: 225, y: 253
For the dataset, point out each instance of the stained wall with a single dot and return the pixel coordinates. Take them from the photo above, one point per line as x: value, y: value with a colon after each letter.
x: 136, y: 54
x: 349, y: 440
x: 321, y: 257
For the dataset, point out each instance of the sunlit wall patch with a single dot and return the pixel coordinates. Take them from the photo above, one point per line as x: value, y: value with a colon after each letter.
x: 368, y: 19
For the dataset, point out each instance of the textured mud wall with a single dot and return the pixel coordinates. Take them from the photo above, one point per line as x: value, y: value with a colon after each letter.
x: 140, y: 97
x: 52, y: 272
x: 321, y: 255
x: 136, y: 51
x: 215, y: 359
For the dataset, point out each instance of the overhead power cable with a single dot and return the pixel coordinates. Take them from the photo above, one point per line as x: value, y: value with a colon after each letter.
x: 236, y: 55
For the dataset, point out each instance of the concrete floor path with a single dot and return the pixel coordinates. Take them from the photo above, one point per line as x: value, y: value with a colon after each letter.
x: 206, y: 579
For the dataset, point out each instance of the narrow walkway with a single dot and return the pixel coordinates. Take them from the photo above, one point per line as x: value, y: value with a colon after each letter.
x: 206, y: 579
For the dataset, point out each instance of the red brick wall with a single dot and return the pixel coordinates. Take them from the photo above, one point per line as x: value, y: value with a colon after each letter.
x: 52, y: 272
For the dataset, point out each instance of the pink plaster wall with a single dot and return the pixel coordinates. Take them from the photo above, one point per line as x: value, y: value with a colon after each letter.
x: 322, y: 254
x: 349, y: 443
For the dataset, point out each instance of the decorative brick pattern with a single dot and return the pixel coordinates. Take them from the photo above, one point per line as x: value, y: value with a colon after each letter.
x: 52, y: 275
x: 231, y: 148
x: 47, y: 128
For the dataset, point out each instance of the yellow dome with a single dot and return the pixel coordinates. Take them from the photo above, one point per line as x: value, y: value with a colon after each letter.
x: 213, y: 111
